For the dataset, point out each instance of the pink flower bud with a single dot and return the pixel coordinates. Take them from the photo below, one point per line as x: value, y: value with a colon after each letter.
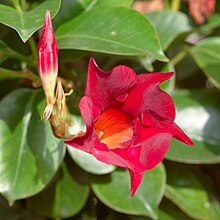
x: 48, y: 62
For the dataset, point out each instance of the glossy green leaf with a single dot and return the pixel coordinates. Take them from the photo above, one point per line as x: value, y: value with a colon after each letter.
x: 26, y: 23
x: 186, y: 191
x: 65, y: 197
x: 169, y: 25
x: 69, y: 9
x: 89, y: 163
x: 30, y: 155
x: 113, y: 191
x: 198, y: 114
x: 211, y: 23
x: 115, y: 3
x: 207, y: 56
x: 90, y: 4
x: 71, y: 55
x: 106, y: 30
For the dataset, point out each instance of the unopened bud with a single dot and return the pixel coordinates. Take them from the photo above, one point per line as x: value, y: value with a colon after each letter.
x: 48, y: 63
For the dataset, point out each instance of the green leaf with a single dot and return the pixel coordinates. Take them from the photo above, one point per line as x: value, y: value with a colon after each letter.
x: 30, y: 155
x: 90, y: 4
x: 65, y: 197
x: 169, y: 25
x: 168, y: 211
x: 114, y: 3
x: 26, y: 23
x: 71, y: 55
x: 207, y: 56
x: 198, y: 114
x: 186, y: 191
x: 113, y: 191
x: 69, y: 9
x: 211, y: 23
x: 89, y: 163
x: 106, y: 30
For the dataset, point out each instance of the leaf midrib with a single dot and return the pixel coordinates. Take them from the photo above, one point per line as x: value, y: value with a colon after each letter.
x: 207, y: 51
x: 101, y: 39
x: 26, y: 120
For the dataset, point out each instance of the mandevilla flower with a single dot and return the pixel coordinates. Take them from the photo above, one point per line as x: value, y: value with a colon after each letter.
x: 129, y: 120
x: 48, y: 63
x: 201, y: 9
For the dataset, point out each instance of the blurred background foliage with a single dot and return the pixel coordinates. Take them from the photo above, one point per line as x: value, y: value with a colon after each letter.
x: 40, y: 177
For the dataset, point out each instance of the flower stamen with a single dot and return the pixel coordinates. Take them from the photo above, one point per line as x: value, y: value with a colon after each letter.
x: 113, y: 128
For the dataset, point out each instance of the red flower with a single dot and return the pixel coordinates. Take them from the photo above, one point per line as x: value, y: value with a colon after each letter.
x: 48, y: 63
x: 129, y: 120
x: 201, y: 9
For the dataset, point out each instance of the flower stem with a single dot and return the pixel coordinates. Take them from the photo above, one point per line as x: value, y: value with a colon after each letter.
x: 23, y: 5
x: 175, y: 5
x: 12, y: 54
x: 178, y: 57
x: 33, y: 46
x: 16, y: 5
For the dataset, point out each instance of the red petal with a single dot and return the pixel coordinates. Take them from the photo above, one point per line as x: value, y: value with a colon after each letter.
x: 116, y: 157
x: 47, y: 49
x: 151, y: 103
x: 89, y: 139
x: 154, y: 149
x: 104, y: 88
x: 180, y: 135
x: 153, y: 143
x: 136, y: 178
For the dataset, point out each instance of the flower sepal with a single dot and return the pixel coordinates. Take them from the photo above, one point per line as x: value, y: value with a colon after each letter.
x: 60, y: 117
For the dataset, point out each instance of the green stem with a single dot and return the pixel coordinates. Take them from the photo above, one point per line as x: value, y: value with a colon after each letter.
x: 6, y: 73
x: 16, y: 5
x: 33, y: 47
x: 175, y: 5
x: 178, y: 57
x: 16, y: 56
x: 23, y: 5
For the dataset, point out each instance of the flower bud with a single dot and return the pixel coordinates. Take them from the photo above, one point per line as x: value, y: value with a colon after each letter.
x: 48, y: 63
x: 60, y: 114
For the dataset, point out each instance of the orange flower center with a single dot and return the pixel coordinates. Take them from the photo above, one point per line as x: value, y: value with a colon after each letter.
x: 113, y: 128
